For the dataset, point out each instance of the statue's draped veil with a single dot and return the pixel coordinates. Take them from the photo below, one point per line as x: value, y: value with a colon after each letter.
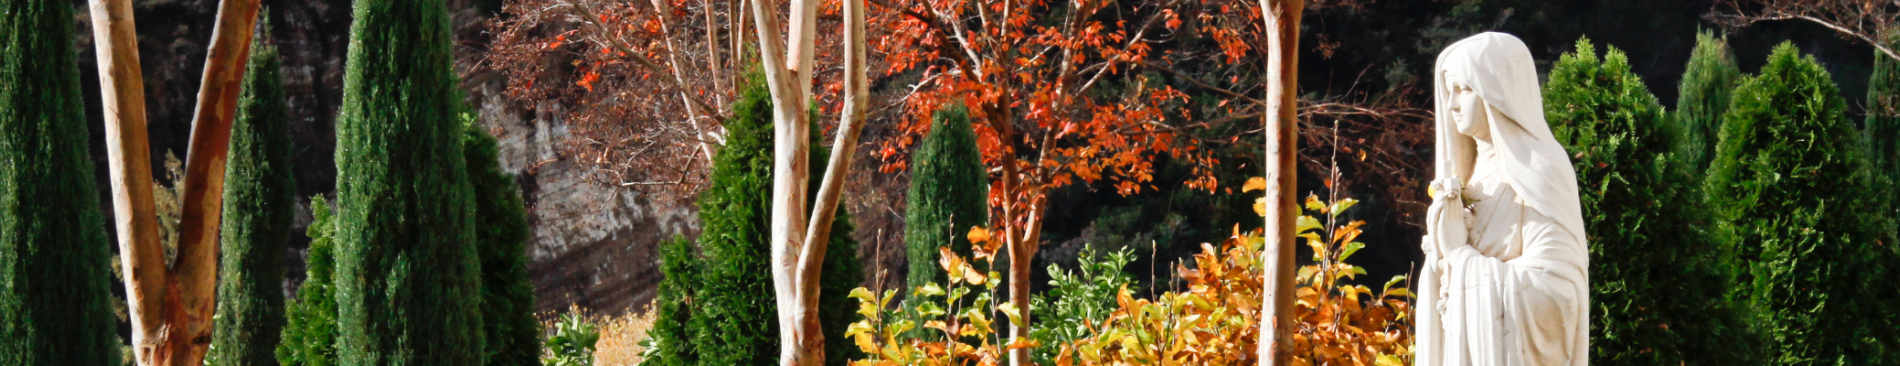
x: 1499, y: 68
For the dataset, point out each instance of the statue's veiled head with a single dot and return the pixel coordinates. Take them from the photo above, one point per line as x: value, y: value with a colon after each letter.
x: 1485, y: 90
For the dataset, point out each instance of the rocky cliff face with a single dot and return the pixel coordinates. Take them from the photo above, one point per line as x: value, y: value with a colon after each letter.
x: 594, y: 245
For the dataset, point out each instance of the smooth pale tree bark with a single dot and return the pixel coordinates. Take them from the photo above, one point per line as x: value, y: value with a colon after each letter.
x: 1282, y: 138
x: 798, y: 246
x: 128, y: 156
x: 171, y: 308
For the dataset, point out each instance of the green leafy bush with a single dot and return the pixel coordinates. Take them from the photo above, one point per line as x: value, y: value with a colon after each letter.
x: 259, y: 203
x: 1658, y: 283
x: 1707, y: 81
x: 310, y: 336
x: 408, y: 279
x: 949, y: 192
x: 572, y: 343
x: 1789, y: 178
x: 55, y: 298
x: 1078, y: 301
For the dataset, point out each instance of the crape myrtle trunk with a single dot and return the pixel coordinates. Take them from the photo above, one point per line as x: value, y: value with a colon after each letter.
x: 734, y: 313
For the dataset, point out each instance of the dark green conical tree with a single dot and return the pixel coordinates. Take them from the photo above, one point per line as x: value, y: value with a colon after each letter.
x: 54, y: 287
x: 310, y: 334
x: 1789, y: 178
x: 408, y: 283
x: 672, y: 331
x: 259, y: 204
x: 736, y: 321
x: 949, y: 193
x: 513, y: 336
x: 1658, y: 286
x: 1703, y: 97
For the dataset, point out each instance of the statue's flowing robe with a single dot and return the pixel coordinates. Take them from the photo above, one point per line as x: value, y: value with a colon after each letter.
x: 1518, y: 294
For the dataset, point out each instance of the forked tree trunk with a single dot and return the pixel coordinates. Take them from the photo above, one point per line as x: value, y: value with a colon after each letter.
x: 170, y: 308
x: 798, y: 241
x: 1282, y: 136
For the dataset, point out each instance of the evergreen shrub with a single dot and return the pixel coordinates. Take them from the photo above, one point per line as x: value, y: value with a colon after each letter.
x: 1657, y: 279
x: 513, y: 336
x: 310, y: 335
x: 1789, y: 178
x: 1703, y: 96
x: 259, y: 203
x: 949, y: 193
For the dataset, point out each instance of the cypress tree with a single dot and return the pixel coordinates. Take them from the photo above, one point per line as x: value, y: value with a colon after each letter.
x: 949, y: 193
x: 1789, y: 178
x: 1657, y: 287
x: 259, y: 197
x: 1703, y: 95
x: 736, y: 325
x: 54, y: 287
x: 310, y: 335
x: 408, y: 289
x: 508, y: 325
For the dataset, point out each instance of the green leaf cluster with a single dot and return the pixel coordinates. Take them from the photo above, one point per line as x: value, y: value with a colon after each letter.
x: 55, y: 295
x: 1077, y: 301
x: 949, y: 193
x: 1790, y: 180
x: 1657, y: 273
x: 259, y: 205
x: 572, y: 343
x: 734, y: 315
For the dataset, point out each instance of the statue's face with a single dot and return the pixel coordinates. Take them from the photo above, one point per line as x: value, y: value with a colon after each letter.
x: 1467, y: 109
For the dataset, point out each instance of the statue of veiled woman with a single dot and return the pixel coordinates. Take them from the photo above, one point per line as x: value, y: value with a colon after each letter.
x: 1506, y: 273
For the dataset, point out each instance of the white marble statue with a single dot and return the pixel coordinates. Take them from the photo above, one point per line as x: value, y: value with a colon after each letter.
x: 1506, y: 273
